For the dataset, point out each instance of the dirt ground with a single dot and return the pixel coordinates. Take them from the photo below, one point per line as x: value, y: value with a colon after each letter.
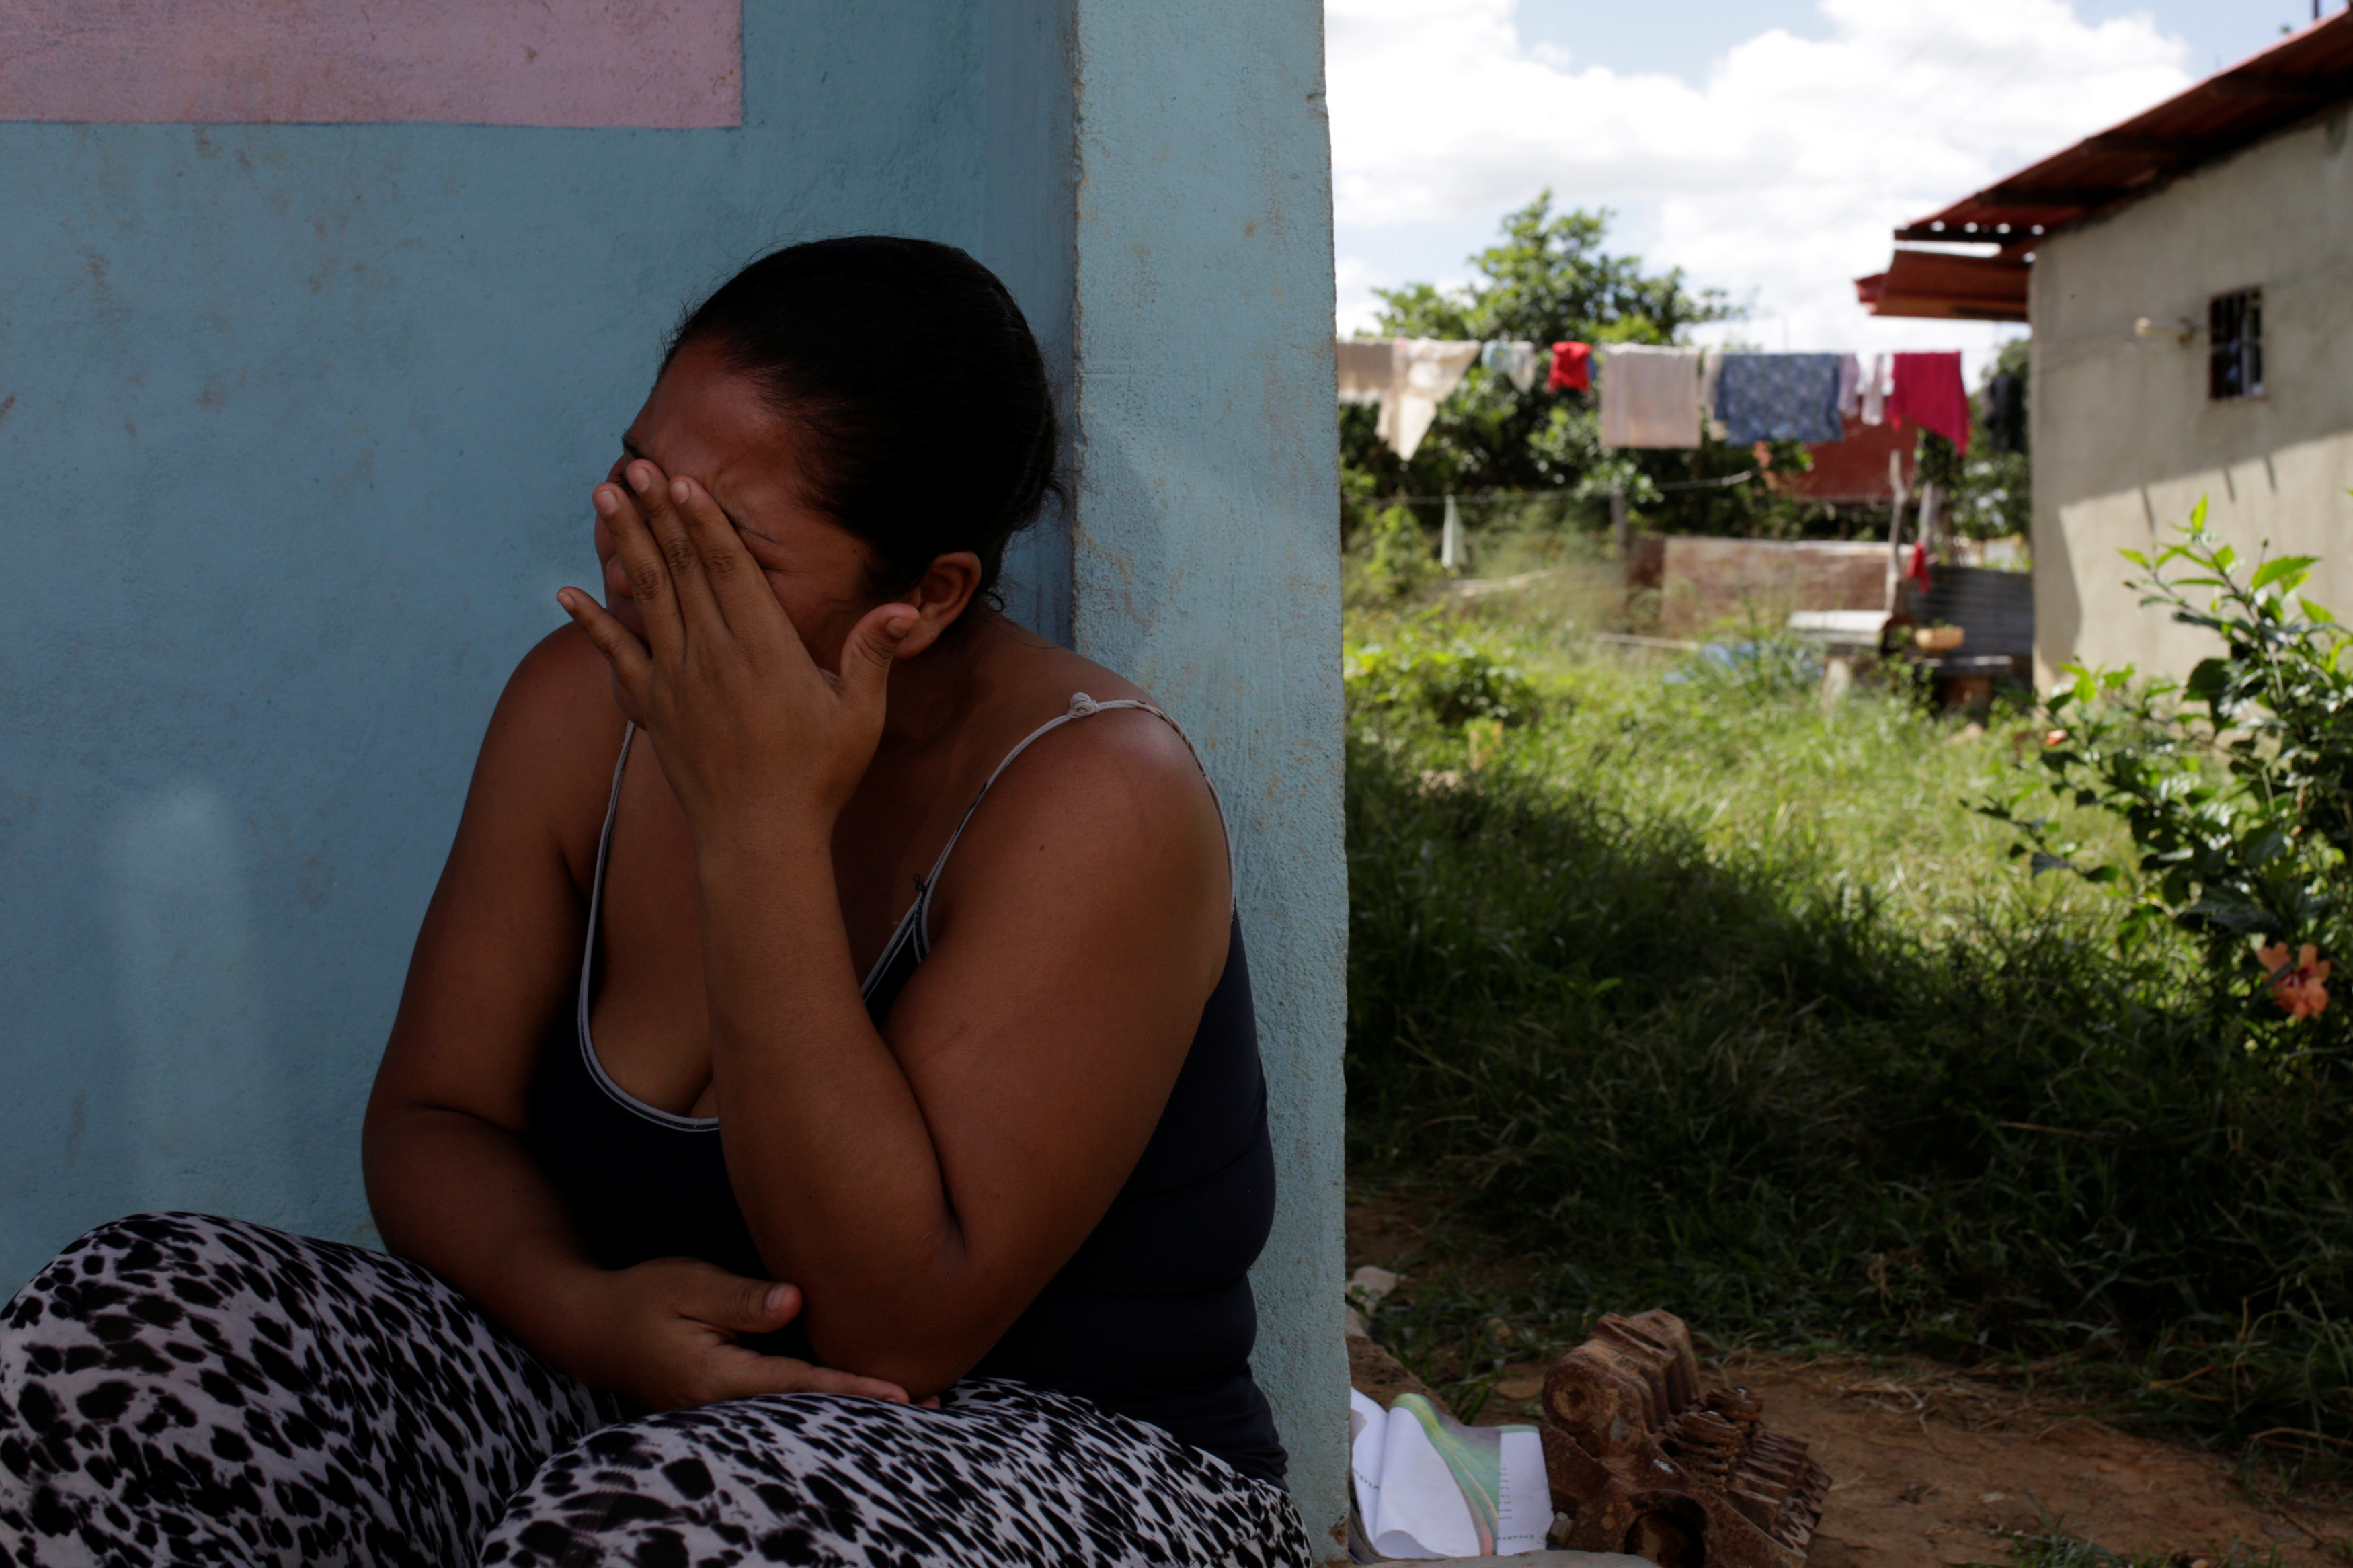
x: 1929, y: 1465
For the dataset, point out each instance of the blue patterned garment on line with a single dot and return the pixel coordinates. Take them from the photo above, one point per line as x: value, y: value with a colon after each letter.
x: 1778, y: 397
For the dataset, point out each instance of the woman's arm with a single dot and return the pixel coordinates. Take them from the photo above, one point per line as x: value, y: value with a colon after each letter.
x: 447, y: 1175
x: 449, y: 1179
x: 923, y: 1187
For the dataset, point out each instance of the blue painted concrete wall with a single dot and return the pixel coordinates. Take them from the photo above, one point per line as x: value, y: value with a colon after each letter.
x: 1206, y: 560
x: 300, y: 420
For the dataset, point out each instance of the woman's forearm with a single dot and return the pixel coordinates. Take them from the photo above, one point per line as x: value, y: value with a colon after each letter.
x: 831, y: 1157
x: 465, y: 1199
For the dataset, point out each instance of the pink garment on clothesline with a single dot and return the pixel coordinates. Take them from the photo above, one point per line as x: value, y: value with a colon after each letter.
x: 1928, y: 392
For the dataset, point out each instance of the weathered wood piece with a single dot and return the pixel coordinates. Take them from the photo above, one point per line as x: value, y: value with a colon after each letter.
x: 1643, y: 1460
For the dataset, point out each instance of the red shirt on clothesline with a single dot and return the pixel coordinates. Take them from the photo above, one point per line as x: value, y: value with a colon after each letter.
x: 1928, y: 392
x: 1572, y: 368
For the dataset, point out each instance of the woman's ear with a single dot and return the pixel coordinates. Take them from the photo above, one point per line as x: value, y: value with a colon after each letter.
x: 944, y: 592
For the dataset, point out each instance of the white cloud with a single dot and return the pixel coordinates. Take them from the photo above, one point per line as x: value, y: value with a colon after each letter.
x: 1778, y: 180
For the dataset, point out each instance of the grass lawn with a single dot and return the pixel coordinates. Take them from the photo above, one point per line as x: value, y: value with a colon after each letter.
x: 1684, y: 992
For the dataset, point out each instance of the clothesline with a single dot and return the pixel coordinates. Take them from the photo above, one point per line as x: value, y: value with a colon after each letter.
x: 1720, y: 482
x: 1665, y: 397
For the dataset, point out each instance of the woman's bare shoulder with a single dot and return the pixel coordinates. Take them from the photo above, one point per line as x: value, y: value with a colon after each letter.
x: 1099, y: 849
x: 1130, y: 772
x: 548, y: 755
x: 1032, y: 671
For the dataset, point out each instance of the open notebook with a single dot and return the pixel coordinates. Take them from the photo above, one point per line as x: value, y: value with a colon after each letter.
x: 1428, y: 1486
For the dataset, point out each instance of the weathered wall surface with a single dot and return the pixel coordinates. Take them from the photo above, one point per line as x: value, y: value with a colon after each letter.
x: 2124, y: 438
x: 1205, y: 558
x: 301, y: 421
x: 1703, y: 582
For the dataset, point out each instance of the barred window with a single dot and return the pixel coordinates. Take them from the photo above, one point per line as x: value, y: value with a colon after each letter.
x: 2234, y: 336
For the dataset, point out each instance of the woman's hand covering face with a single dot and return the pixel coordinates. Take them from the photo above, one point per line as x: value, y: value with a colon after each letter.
x: 746, y: 724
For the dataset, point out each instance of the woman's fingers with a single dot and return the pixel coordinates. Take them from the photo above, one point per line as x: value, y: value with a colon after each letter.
x: 619, y: 645
x: 734, y: 577
x: 867, y: 653
x: 651, y: 490
x: 742, y: 1373
x: 641, y: 561
x: 739, y: 1305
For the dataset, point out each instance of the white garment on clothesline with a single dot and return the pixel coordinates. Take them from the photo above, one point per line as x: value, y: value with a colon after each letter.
x: 1874, y: 392
x: 1850, y: 387
x: 1650, y: 396
x: 1514, y: 359
x: 1365, y: 367
x: 1424, y: 372
x: 1408, y: 377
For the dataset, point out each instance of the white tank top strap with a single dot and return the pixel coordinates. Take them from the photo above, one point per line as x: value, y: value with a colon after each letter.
x: 915, y: 926
x: 604, y: 1081
x: 1081, y: 707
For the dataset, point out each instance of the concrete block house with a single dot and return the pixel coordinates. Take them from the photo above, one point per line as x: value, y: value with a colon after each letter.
x: 2188, y: 276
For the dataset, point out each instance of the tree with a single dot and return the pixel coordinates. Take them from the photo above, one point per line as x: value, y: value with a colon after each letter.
x: 1548, y: 281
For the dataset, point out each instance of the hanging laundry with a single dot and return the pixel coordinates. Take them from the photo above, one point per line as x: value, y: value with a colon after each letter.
x: 1850, y: 387
x: 1650, y: 396
x: 1779, y: 398
x: 1572, y: 368
x: 1425, y: 371
x: 1711, y: 375
x: 2005, y: 412
x: 1928, y: 391
x: 1874, y: 392
x: 1514, y: 359
x: 1919, y: 571
x: 1365, y: 367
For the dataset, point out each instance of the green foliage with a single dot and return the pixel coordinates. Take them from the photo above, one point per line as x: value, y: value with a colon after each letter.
x: 1991, y: 494
x: 1395, y: 557
x: 2236, y: 786
x: 1695, y: 995
x: 1771, y: 667
x: 1449, y: 680
x: 1447, y: 1333
x: 1549, y: 281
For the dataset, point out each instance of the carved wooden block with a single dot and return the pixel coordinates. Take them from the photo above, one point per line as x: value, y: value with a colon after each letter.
x: 1643, y: 1460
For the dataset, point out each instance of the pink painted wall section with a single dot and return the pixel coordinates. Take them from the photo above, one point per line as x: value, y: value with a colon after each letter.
x: 676, y: 64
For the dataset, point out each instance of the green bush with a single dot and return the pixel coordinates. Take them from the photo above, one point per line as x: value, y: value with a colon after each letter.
x: 1451, y: 680
x: 1701, y: 997
x: 2235, y: 785
x: 1397, y: 559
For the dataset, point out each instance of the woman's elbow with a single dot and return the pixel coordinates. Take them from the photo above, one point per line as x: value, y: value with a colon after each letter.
x: 924, y: 1363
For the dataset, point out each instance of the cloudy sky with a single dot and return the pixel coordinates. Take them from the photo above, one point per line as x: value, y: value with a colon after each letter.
x: 1765, y: 146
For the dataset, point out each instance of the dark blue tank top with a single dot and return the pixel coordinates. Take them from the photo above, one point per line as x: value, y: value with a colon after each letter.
x: 1151, y: 1317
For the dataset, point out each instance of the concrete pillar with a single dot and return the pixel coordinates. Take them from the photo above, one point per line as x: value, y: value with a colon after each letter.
x: 1202, y: 555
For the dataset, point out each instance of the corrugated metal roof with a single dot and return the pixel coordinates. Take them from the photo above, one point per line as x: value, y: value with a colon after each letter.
x: 2301, y: 75
x: 1944, y: 283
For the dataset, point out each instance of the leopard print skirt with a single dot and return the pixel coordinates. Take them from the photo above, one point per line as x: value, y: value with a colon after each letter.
x: 181, y: 1390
